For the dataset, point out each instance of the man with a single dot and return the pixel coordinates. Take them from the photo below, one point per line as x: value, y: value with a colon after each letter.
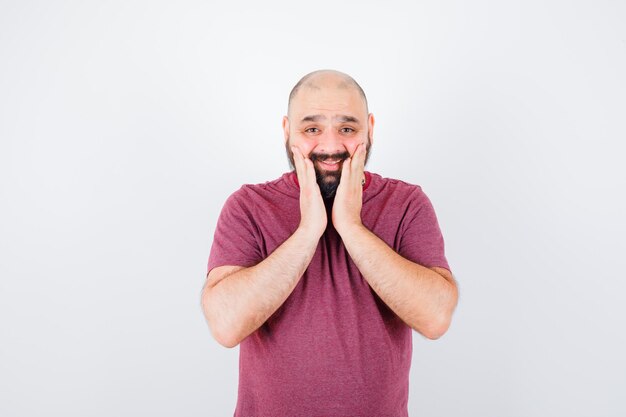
x: 321, y: 274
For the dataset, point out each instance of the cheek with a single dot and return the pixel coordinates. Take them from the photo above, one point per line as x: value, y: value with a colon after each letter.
x: 351, y: 147
x: 306, y: 146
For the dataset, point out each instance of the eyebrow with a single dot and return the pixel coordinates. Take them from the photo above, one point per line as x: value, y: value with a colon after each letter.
x: 341, y: 118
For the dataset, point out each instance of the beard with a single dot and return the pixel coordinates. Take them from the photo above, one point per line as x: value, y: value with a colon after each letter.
x: 328, y: 181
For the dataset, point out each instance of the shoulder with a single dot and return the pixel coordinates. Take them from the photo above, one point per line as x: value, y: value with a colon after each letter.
x: 379, y: 180
x: 396, y: 188
x: 262, y: 193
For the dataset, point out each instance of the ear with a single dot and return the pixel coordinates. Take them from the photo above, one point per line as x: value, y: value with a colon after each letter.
x: 370, y: 127
x: 286, y: 128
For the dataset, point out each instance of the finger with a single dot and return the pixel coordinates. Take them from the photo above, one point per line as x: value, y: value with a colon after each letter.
x: 307, y: 169
x: 298, y: 160
x: 358, y: 165
x: 345, y: 171
x: 310, y: 169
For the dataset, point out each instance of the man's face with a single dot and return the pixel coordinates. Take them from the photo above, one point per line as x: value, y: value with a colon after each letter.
x: 326, y: 124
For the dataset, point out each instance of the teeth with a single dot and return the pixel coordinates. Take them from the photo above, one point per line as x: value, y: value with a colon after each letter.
x: 331, y: 162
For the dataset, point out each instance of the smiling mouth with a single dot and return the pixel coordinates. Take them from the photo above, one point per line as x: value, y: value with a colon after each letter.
x: 330, y: 164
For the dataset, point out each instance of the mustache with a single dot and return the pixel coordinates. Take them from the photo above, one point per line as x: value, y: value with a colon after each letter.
x: 341, y: 156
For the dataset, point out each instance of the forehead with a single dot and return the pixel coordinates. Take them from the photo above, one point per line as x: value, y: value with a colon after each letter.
x: 329, y: 100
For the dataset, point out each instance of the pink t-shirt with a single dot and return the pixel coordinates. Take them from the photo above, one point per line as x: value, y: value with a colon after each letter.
x: 333, y: 348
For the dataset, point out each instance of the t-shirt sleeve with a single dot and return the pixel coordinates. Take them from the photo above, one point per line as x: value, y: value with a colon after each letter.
x: 234, y: 241
x: 421, y: 240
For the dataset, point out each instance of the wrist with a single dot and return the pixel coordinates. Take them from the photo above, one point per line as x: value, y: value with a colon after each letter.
x: 308, y: 232
x: 350, y: 229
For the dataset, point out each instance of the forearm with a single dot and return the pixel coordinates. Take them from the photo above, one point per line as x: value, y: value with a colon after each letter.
x: 240, y: 303
x: 420, y: 296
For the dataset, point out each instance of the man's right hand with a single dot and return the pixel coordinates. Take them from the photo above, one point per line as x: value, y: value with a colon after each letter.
x: 313, y: 217
x: 237, y: 301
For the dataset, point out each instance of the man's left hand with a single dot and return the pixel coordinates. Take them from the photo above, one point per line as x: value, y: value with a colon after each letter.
x: 349, y: 196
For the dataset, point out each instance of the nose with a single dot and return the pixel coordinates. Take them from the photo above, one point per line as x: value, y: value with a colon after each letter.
x: 330, y: 142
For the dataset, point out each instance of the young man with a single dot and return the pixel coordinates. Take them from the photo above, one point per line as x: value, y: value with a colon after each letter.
x: 321, y: 274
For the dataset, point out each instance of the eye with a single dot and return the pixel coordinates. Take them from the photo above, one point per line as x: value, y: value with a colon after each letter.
x: 347, y: 130
x: 312, y: 130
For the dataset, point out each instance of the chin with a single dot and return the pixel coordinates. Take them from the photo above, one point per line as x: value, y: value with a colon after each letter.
x: 328, y: 177
x: 328, y: 184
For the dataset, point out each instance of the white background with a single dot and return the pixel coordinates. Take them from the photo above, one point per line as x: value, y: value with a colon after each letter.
x: 124, y: 126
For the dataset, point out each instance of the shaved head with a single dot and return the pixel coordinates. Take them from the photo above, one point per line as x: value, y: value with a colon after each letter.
x: 325, y: 78
x: 327, y: 119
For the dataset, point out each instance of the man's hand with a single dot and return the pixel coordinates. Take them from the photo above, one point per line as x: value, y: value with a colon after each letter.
x: 313, y: 217
x: 349, y: 195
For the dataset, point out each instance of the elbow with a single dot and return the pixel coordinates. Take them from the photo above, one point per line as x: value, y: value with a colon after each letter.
x: 223, y: 336
x: 436, y: 328
x: 228, y: 341
x: 440, y: 323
